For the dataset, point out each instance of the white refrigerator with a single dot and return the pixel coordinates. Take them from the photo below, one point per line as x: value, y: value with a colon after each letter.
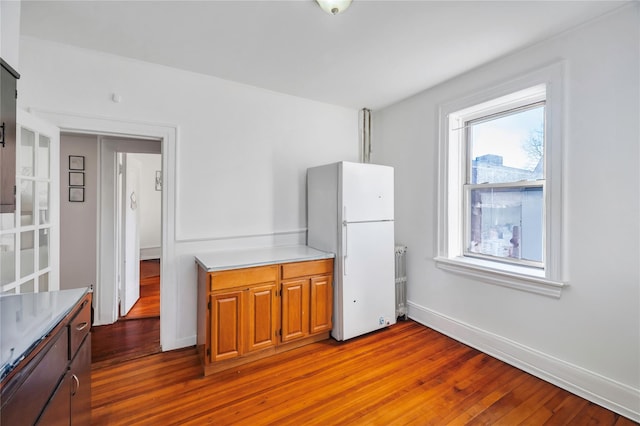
x: 350, y: 213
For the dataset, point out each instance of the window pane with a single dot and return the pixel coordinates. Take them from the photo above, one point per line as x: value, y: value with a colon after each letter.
x: 43, y: 156
x: 43, y: 202
x: 26, y: 253
x: 27, y: 287
x: 7, y: 258
x: 27, y: 157
x: 508, y: 148
x: 26, y: 202
x: 43, y: 254
x: 43, y: 282
x: 7, y: 221
x: 506, y: 223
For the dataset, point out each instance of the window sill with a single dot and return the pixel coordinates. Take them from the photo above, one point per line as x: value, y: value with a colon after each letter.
x: 517, y: 277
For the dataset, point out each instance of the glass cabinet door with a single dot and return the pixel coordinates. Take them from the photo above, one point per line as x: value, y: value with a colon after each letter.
x: 28, y: 236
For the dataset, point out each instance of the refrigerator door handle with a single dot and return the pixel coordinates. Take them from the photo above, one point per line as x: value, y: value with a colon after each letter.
x: 346, y: 248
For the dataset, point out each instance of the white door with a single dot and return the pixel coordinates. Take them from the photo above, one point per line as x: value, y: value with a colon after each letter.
x: 367, y: 192
x: 368, y: 280
x: 29, y: 237
x: 131, y: 240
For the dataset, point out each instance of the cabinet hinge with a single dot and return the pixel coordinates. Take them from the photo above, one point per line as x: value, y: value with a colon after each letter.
x: 209, y: 305
x: 208, y: 352
x: 280, y: 292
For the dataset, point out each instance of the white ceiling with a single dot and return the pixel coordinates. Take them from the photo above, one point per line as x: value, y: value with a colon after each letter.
x: 375, y: 53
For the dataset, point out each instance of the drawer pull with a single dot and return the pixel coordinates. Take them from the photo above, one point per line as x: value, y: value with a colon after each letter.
x: 82, y: 326
x: 76, y: 384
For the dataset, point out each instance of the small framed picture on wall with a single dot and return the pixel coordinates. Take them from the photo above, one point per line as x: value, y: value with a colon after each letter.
x: 76, y: 162
x: 76, y: 194
x: 76, y: 178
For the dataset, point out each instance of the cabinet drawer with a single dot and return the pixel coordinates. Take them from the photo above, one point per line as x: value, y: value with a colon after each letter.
x: 242, y: 277
x: 24, y: 406
x: 301, y: 269
x: 79, y: 327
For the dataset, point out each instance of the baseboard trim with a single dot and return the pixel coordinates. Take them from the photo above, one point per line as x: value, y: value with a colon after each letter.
x: 147, y: 253
x: 615, y: 396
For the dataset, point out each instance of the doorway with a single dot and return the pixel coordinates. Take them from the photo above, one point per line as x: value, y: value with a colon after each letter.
x: 83, y: 236
x: 105, y: 297
x: 139, y: 232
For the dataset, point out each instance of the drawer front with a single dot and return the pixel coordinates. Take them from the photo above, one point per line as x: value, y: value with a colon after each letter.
x: 242, y: 277
x: 24, y: 406
x: 79, y: 327
x: 312, y: 267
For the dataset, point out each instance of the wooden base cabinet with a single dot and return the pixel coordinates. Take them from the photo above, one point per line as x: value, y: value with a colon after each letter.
x: 242, y: 321
x: 225, y: 325
x: 263, y: 317
x: 54, y: 386
x: 247, y: 314
x: 307, y: 297
x: 321, y: 289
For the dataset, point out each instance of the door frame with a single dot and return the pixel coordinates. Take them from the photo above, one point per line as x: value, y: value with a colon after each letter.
x: 109, y: 258
x: 105, y: 295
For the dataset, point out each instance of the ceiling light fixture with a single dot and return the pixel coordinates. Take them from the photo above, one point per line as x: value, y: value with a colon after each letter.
x: 334, y: 7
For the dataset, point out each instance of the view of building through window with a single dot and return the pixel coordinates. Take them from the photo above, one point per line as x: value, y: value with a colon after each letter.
x: 505, y: 185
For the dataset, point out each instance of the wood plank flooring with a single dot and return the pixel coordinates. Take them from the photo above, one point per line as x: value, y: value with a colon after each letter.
x: 148, y: 306
x: 124, y: 341
x: 405, y: 375
x: 137, y: 334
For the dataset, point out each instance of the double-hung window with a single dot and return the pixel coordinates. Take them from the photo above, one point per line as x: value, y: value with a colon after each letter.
x: 503, y: 189
x: 500, y: 217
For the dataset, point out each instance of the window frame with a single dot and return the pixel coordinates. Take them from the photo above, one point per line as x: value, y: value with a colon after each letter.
x: 546, y: 84
x: 534, y: 97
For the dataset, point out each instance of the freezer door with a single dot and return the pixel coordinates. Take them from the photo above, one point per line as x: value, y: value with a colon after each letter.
x: 367, y: 192
x: 368, y: 284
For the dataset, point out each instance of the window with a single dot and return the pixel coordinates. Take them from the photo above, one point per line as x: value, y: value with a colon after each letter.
x: 500, y: 217
x: 504, y: 185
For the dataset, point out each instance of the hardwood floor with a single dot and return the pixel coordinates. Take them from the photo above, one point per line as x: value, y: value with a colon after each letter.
x: 405, y: 375
x: 137, y: 334
x: 124, y: 340
x: 148, y: 306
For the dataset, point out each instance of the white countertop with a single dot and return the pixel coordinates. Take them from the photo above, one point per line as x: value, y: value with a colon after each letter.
x: 26, y: 319
x: 247, y: 258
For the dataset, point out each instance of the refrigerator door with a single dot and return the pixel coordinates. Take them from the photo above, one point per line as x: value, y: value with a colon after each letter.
x: 366, y: 288
x: 367, y: 192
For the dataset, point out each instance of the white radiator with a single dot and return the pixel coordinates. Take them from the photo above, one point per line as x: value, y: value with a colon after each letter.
x: 401, y: 282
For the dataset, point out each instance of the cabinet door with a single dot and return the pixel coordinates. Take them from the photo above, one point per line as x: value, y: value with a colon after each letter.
x: 8, y: 150
x: 226, y: 325
x: 262, y: 317
x: 80, y: 371
x: 321, y: 304
x: 295, y: 309
x: 56, y: 412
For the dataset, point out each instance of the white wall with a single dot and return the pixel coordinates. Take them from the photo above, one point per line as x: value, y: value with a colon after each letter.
x: 588, y: 340
x: 150, y: 201
x: 10, y: 33
x: 242, y: 152
x: 78, y: 221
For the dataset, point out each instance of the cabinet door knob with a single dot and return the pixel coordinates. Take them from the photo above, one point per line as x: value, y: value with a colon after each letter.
x: 76, y: 384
